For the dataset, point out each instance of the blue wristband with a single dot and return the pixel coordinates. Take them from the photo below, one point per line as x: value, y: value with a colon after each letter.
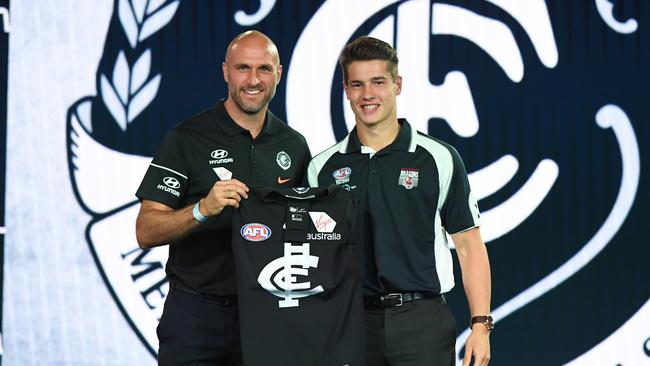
x: 198, y: 216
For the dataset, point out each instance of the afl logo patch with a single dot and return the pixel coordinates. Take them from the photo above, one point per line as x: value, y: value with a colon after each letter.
x: 171, y: 182
x: 255, y: 232
x: 342, y: 175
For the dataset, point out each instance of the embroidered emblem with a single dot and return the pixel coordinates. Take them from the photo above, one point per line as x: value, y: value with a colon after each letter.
x: 283, y: 159
x: 408, y: 178
x: 342, y: 175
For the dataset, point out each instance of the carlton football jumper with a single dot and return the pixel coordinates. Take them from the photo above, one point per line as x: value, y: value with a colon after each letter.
x: 298, y: 283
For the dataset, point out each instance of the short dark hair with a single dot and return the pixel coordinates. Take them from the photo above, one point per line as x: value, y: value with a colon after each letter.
x: 367, y: 48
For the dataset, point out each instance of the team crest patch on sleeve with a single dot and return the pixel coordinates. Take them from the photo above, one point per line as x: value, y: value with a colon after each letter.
x: 283, y: 159
x: 408, y: 178
x: 255, y: 232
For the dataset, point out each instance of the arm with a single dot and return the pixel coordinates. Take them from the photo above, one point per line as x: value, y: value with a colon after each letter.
x: 475, y: 268
x: 158, y: 224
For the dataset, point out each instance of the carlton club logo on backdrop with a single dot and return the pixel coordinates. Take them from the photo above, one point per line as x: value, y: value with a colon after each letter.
x: 128, y: 86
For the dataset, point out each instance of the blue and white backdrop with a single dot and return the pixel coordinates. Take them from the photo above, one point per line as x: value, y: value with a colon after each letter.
x: 546, y: 101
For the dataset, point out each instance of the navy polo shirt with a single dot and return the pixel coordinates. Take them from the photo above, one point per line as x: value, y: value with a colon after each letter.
x: 192, y: 157
x: 411, y: 193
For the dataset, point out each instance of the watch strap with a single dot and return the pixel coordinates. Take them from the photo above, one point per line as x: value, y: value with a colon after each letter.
x: 486, y: 320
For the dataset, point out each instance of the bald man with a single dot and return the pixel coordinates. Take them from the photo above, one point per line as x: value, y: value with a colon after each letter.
x: 203, y: 170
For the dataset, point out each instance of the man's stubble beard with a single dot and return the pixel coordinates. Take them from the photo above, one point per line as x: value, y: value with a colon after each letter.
x: 252, y: 109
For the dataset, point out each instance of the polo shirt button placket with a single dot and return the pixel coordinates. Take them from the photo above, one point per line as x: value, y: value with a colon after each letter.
x: 252, y: 154
x: 374, y: 172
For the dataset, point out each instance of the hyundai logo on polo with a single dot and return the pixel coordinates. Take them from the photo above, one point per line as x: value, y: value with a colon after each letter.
x: 219, y: 154
x: 171, y: 182
x: 255, y: 232
x: 342, y: 175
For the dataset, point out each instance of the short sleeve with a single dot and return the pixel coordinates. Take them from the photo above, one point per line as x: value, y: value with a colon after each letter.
x: 460, y: 209
x: 166, y: 179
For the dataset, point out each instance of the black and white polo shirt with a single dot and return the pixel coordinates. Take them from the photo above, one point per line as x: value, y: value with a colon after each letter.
x: 411, y: 194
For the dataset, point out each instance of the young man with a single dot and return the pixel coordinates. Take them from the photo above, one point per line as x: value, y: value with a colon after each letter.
x: 413, y: 188
x: 201, y: 172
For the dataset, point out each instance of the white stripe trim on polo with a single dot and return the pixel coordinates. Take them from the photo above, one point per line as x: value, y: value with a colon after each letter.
x: 413, y: 144
x: 444, y: 162
x: 318, y: 162
x: 168, y: 169
x: 445, y: 166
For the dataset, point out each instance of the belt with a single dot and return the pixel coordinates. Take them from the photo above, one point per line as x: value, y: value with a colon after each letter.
x: 394, y: 299
x: 224, y: 300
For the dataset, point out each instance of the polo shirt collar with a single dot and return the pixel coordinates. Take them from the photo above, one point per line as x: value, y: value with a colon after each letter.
x: 231, y: 128
x: 405, y: 140
x: 274, y: 194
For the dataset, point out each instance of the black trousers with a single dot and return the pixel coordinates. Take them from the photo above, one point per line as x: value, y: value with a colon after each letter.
x: 419, y: 333
x: 195, y: 331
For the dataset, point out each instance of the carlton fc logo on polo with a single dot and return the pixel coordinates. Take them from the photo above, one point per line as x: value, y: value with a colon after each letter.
x: 280, y: 276
x: 283, y: 159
